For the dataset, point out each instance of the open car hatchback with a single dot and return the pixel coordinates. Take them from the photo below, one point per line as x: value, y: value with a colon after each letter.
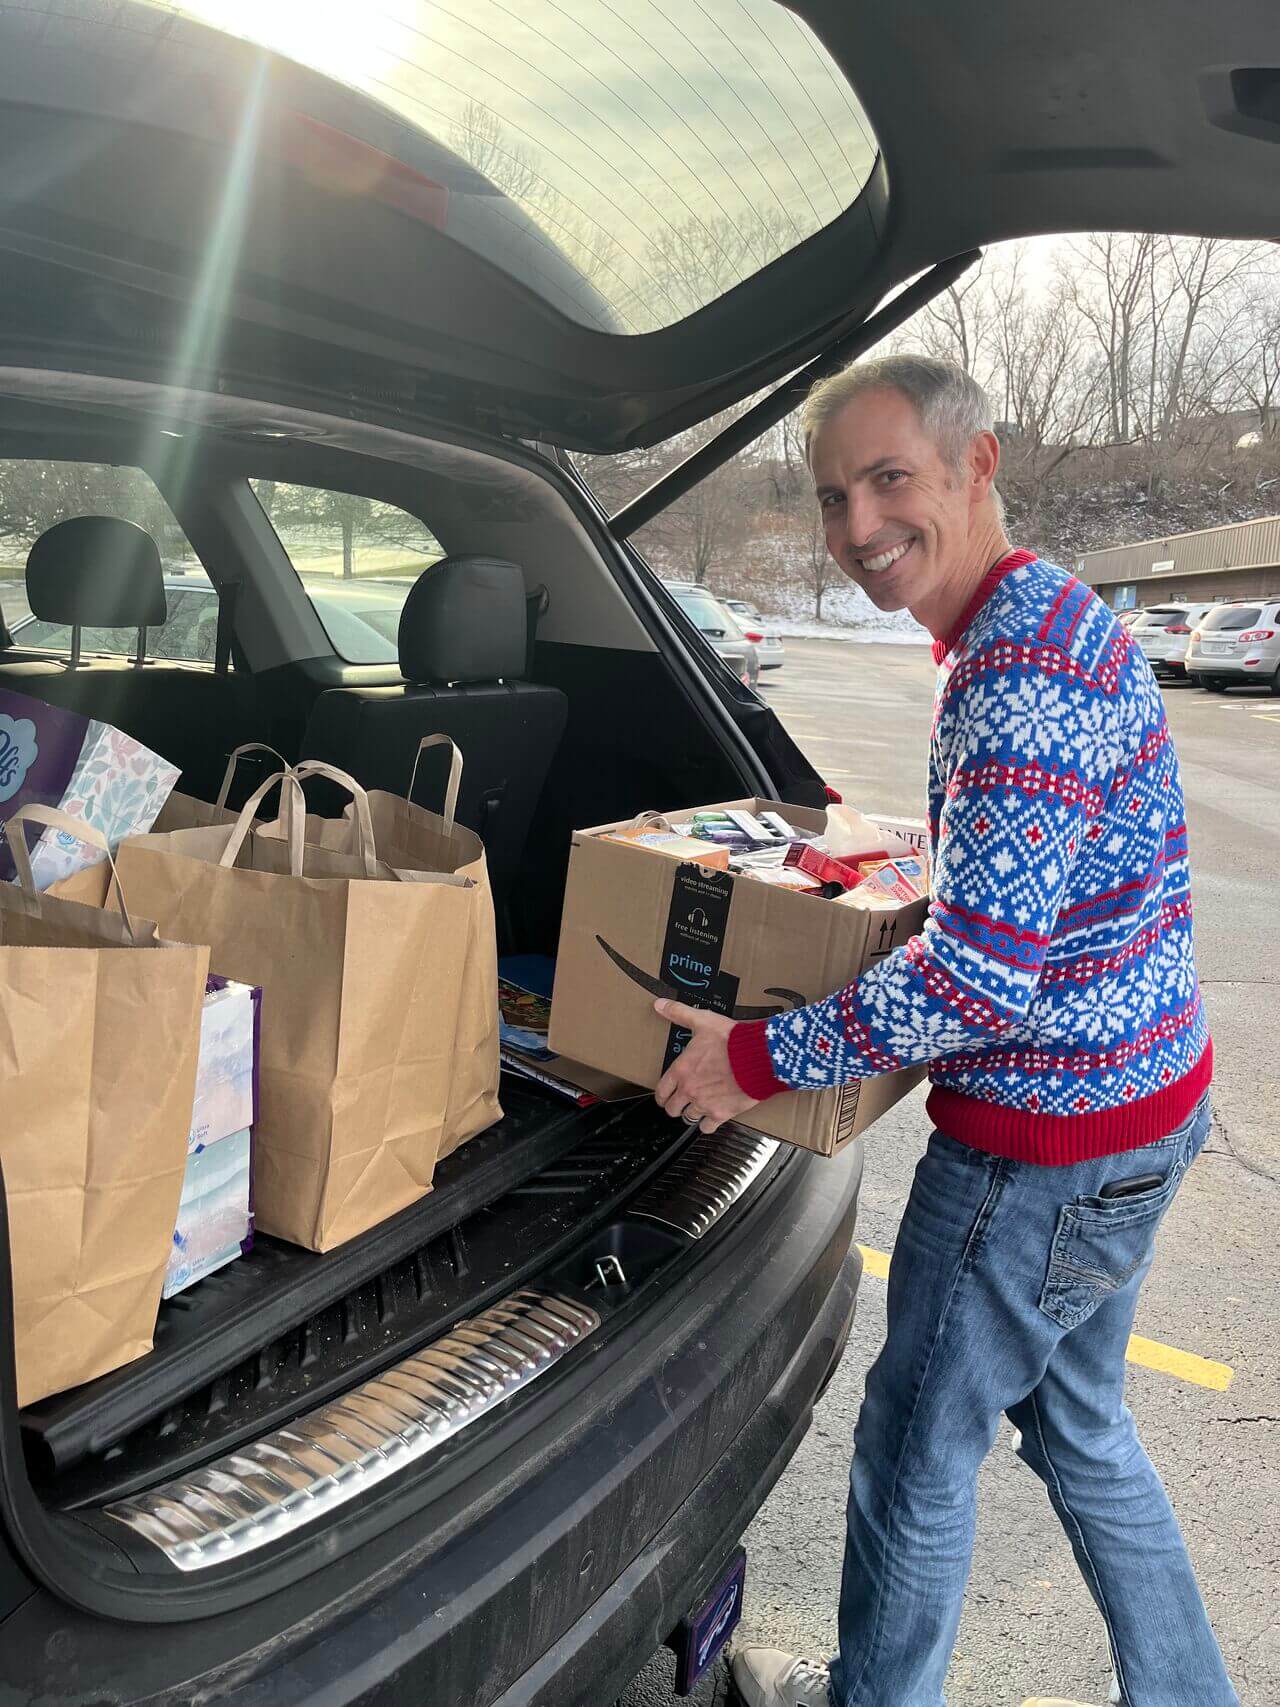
x: 322, y: 297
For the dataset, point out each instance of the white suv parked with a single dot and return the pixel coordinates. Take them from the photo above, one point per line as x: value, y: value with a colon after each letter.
x: 1234, y: 643
x: 1163, y: 632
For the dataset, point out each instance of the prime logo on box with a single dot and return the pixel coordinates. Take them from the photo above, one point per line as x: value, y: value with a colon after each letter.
x: 689, y: 970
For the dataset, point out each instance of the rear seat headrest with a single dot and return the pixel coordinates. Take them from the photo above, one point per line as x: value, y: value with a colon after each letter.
x: 465, y: 620
x: 96, y: 571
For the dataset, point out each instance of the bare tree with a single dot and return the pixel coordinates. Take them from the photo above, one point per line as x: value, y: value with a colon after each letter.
x: 1202, y: 272
x: 483, y: 141
x: 818, y: 568
x: 956, y: 324
x: 1107, y: 278
x: 1255, y: 367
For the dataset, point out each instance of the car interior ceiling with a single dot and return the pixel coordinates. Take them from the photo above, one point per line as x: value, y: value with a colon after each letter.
x: 520, y: 644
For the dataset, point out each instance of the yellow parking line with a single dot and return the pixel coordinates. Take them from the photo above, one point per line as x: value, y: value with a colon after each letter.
x: 875, y: 1262
x: 1149, y: 1354
x: 1185, y: 1365
x: 1267, y: 716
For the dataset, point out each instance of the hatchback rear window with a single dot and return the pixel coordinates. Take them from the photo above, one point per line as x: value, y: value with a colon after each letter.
x: 702, y: 611
x: 645, y: 158
x: 1228, y: 618
x: 1157, y: 616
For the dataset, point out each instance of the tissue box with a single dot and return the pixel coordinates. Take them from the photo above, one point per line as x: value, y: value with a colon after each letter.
x: 215, y: 1213
x: 96, y: 773
x: 226, y: 1096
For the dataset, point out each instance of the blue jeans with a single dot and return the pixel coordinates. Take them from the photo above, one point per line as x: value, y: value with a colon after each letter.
x: 1013, y: 1289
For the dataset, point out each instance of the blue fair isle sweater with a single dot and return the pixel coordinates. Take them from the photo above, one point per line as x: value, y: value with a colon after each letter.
x: 1053, y: 990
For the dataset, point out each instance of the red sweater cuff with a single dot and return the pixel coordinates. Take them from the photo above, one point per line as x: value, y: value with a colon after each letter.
x: 751, y: 1063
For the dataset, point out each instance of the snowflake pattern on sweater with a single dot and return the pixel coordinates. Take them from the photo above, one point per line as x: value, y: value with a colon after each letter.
x: 1053, y: 988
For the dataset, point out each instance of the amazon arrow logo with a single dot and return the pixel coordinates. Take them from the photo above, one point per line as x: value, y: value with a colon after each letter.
x: 696, y: 970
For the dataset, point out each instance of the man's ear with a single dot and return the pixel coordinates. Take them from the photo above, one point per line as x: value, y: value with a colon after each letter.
x: 984, y: 460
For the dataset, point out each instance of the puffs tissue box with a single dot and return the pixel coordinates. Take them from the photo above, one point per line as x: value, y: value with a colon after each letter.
x: 215, y: 1212
x: 90, y: 770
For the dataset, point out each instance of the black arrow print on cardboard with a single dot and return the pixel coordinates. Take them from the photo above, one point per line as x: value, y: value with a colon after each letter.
x: 667, y: 992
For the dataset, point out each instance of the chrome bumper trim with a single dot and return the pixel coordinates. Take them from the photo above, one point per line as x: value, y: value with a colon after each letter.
x: 275, y: 1486
x: 705, y: 1180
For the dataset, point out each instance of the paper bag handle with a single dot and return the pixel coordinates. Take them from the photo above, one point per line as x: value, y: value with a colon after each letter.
x: 55, y: 819
x: 455, y: 775
x: 239, y: 753
x: 364, y: 815
x: 295, y: 821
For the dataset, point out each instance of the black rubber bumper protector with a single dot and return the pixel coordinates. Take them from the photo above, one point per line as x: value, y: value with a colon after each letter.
x: 597, y: 1504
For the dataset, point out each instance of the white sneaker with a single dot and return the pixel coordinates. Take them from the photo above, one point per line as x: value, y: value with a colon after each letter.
x: 1061, y: 1700
x: 1054, y: 1701
x: 767, y: 1678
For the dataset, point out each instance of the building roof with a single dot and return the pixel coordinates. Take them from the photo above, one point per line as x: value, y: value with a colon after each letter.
x: 1207, y: 551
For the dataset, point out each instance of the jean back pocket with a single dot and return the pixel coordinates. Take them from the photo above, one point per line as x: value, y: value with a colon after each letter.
x: 1101, y: 1243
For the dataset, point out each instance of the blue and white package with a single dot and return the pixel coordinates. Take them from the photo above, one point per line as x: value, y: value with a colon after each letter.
x: 215, y: 1214
x: 226, y: 1072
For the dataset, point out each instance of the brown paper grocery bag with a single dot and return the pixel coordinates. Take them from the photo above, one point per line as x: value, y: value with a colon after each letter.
x: 408, y: 835
x: 99, y: 1035
x: 179, y: 812
x: 360, y: 963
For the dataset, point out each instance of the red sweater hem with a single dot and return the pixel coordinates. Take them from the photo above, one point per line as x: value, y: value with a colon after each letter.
x: 1049, y: 1140
x: 1056, y: 1140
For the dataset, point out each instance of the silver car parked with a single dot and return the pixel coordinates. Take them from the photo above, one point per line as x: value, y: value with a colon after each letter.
x: 767, y: 641
x: 1237, y: 642
x: 1162, y: 634
x: 719, y: 627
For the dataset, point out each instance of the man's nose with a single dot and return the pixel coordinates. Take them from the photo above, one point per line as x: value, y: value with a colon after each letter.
x: 862, y: 520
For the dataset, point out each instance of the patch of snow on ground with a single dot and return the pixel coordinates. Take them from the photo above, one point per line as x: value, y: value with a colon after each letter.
x: 847, y: 614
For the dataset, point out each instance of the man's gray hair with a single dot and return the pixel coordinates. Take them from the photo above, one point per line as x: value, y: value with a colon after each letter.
x: 952, y: 407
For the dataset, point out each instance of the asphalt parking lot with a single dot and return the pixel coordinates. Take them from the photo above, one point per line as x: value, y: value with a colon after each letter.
x: 1203, y: 1383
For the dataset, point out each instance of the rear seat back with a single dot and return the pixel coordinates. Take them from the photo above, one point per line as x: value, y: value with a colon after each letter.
x: 463, y: 645
x: 104, y: 572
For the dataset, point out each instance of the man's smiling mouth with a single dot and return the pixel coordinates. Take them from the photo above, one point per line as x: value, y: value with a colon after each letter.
x: 885, y: 559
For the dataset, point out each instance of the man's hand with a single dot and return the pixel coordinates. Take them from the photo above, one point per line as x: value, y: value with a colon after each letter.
x: 699, y: 1085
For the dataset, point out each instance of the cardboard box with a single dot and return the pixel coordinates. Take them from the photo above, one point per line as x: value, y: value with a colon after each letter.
x: 636, y: 927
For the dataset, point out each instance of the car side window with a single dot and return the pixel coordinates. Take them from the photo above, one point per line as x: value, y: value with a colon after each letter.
x: 36, y: 493
x: 356, y: 558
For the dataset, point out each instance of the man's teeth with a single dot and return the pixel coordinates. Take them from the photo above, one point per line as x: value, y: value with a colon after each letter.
x: 886, y: 557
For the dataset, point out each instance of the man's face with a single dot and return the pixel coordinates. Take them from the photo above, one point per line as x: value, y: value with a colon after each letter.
x: 896, y: 513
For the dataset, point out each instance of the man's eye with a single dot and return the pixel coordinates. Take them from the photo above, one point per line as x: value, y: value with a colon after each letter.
x: 891, y: 476
x: 830, y: 500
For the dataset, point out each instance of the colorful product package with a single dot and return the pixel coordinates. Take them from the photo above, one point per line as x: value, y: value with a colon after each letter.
x: 675, y: 846
x: 88, y: 769
x: 215, y: 1211
x: 901, y: 879
x: 227, y: 1073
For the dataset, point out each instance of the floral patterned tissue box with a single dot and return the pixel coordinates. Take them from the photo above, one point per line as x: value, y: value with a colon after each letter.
x: 92, y: 771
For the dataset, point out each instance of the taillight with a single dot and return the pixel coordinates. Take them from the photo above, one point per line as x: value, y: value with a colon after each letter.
x: 834, y: 795
x: 1176, y: 628
x: 1257, y: 634
x: 752, y: 636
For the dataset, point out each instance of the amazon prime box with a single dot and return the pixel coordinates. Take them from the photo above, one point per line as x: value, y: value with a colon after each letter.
x: 636, y: 927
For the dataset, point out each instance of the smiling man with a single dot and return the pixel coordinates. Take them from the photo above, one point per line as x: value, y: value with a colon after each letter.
x: 1053, y: 994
